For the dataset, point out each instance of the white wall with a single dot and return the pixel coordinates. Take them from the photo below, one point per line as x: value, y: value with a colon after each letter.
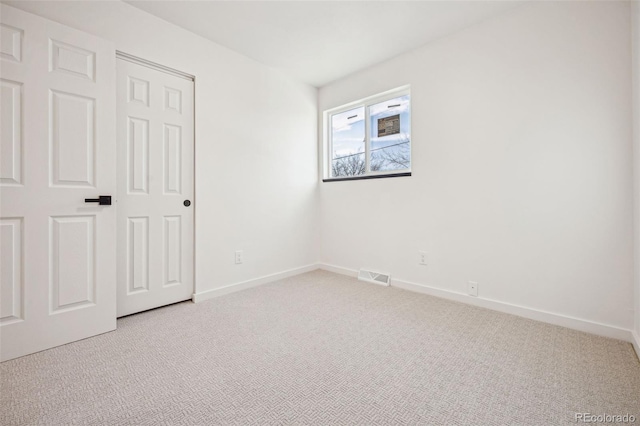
x: 522, y: 171
x: 256, y: 181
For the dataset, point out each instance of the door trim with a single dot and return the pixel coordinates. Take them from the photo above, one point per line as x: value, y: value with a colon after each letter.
x: 145, y: 63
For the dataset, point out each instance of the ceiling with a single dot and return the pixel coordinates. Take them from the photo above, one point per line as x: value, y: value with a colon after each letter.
x: 321, y: 41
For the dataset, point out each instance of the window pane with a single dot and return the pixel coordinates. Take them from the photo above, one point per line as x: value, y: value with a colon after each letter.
x: 348, y: 143
x: 390, y: 138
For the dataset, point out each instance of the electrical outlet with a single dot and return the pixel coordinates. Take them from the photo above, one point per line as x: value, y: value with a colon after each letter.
x: 239, y: 256
x: 473, y: 288
x: 422, y: 257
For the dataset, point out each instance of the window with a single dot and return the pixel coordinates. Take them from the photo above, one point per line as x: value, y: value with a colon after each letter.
x: 371, y: 138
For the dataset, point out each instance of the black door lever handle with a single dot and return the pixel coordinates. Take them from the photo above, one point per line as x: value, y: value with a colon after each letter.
x: 103, y: 200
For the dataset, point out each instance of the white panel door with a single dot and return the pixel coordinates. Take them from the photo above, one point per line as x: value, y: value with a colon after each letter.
x: 57, y: 148
x: 155, y: 188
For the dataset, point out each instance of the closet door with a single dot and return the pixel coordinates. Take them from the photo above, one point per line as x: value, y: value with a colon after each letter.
x: 155, y: 187
x: 58, y: 258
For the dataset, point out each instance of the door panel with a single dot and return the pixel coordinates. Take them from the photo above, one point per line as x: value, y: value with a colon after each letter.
x: 11, y: 139
x: 172, y: 159
x: 138, y: 150
x: 58, y: 148
x: 72, y: 140
x: 11, y: 39
x: 72, y: 261
x: 137, y: 254
x: 155, y: 176
x: 73, y: 60
x: 11, y: 292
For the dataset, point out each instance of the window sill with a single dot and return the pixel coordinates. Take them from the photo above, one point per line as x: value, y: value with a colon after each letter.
x: 388, y: 175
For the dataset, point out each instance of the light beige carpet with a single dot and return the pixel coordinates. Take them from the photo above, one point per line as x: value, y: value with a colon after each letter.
x: 323, y: 349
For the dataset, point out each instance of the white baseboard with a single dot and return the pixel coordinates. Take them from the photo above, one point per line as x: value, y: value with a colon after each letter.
x: 636, y: 343
x: 232, y: 288
x: 338, y: 269
x: 521, y: 311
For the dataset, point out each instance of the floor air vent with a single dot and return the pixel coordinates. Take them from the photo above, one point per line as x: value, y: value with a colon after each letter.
x: 374, y: 277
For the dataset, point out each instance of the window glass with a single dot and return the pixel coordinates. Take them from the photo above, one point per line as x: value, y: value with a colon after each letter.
x: 369, y: 138
x: 348, y: 143
x: 390, y: 147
